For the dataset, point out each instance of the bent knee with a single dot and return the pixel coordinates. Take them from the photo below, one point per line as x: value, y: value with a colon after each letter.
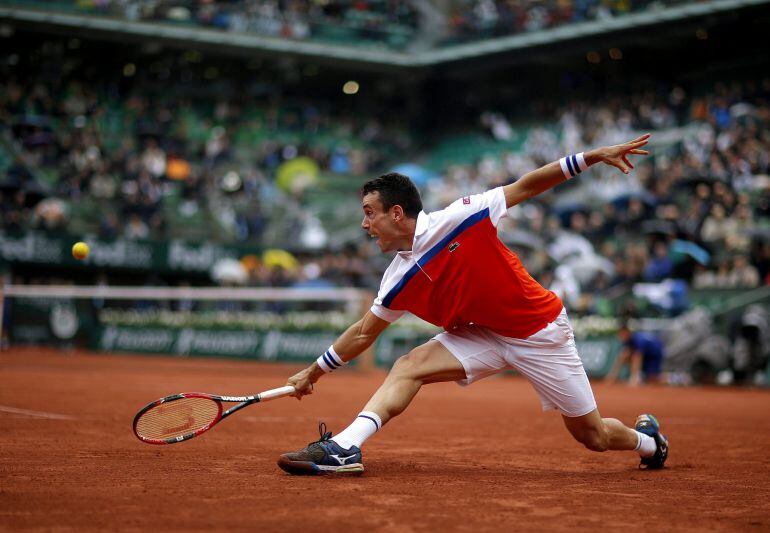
x: 594, y: 440
x: 409, y: 365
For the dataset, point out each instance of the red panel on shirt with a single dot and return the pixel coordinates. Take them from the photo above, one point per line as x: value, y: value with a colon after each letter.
x: 482, y: 282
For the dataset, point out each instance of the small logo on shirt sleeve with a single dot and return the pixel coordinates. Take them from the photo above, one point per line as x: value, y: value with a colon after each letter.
x: 453, y: 246
x: 466, y: 200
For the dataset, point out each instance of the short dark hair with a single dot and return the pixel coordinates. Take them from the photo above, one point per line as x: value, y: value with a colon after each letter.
x: 395, y: 189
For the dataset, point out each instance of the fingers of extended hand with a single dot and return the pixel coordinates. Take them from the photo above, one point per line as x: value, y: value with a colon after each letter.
x: 627, y: 162
x: 639, y: 152
x: 641, y: 141
x: 616, y: 163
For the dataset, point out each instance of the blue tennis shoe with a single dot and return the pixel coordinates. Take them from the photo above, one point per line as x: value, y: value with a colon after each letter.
x: 323, y: 456
x: 648, y: 425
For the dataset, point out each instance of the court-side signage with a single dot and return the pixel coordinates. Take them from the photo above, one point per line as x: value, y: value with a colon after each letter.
x: 263, y: 345
x: 163, y: 256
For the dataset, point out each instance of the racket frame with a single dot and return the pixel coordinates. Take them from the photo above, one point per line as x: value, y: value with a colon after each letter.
x: 243, y: 401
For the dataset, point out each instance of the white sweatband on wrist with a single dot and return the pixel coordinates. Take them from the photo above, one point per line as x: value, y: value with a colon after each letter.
x: 572, y: 165
x: 330, y: 361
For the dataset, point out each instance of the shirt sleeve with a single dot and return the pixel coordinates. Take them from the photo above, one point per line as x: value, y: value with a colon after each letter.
x: 389, y: 315
x: 493, y: 200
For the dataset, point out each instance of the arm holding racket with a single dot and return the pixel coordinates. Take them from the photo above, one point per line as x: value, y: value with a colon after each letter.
x: 357, y: 338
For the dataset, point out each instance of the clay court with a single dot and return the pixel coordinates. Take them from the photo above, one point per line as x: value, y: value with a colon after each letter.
x: 483, y: 458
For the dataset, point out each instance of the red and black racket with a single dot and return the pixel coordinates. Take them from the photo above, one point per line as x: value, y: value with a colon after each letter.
x: 186, y: 415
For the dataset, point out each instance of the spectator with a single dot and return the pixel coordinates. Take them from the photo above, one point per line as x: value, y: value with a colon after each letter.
x: 717, y: 225
x: 136, y: 228
x: 643, y: 353
x: 659, y: 267
x: 743, y: 275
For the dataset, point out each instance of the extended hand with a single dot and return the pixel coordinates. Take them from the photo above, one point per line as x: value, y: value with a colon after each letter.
x: 303, y: 382
x: 617, y: 155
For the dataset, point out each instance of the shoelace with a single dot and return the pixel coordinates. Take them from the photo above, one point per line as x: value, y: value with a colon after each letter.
x: 325, y: 435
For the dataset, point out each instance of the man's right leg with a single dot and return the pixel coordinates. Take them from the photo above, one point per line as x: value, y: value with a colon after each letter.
x: 429, y: 363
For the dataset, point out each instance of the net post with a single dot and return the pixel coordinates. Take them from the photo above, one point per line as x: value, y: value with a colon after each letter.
x: 367, y: 361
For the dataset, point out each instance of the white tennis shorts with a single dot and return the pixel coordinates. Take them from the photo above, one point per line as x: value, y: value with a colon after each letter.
x: 549, y: 360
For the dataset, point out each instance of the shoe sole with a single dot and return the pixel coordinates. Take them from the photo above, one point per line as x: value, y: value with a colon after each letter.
x: 306, y: 468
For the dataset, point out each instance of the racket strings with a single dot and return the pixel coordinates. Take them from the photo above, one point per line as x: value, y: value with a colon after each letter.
x: 177, y: 418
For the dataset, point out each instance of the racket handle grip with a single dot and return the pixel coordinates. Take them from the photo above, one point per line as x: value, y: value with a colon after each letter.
x: 272, y: 394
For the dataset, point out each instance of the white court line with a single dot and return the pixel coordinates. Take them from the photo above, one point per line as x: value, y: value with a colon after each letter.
x: 38, y: 414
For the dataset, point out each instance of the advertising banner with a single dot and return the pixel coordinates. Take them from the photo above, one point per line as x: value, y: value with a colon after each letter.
x: 159, y: 256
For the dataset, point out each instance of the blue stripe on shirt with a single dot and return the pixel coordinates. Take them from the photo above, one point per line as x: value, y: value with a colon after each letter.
x: 430, y: 254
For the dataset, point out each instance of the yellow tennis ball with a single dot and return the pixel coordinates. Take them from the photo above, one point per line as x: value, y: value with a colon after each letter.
x: 80, y: 250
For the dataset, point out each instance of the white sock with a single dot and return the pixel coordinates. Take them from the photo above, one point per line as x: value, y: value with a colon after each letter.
x: 364, y: 426
x: 646, y: 445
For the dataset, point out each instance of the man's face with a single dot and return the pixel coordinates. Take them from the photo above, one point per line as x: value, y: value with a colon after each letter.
x: 378, y: 223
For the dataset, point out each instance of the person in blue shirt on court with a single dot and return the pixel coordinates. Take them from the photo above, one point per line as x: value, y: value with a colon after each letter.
x: 643, y: 352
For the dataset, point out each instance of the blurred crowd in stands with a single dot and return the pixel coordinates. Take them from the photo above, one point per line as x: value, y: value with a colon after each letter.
x: 475, y: 19
x: 392, y: 23
x: 389, y: 22
x: 698, y: 209
x: 144, y: 163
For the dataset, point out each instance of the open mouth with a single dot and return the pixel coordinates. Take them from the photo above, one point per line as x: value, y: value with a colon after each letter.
x: 374, y: 236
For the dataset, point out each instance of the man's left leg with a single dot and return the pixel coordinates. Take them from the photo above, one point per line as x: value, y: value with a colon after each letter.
x: 549, y: 359
x: 602, y: 434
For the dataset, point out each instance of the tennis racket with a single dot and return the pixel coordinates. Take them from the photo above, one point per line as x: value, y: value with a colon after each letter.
x: 180, y: 417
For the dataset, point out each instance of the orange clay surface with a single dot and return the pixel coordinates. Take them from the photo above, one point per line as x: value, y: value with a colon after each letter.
x: 483, y: 458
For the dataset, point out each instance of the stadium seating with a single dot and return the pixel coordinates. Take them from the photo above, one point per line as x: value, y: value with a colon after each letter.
x: 134, y: 163
x: 391, y: 24
x: 374, y: 22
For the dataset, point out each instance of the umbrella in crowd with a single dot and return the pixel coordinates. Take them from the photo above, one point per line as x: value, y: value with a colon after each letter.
x: 297, y: 174
x: 683, y: 249
x: 418, y: 174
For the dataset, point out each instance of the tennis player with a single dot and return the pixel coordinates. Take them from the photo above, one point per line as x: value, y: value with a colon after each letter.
x: 452, y: 270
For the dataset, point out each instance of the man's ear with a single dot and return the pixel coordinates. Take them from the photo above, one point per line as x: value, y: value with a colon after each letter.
x: 398, y: 213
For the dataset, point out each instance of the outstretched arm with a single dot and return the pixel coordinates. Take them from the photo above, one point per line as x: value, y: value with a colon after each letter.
x: 349, y: 345
x: 617, y: 366
x: 547, y: 177
x: 635, y: 377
